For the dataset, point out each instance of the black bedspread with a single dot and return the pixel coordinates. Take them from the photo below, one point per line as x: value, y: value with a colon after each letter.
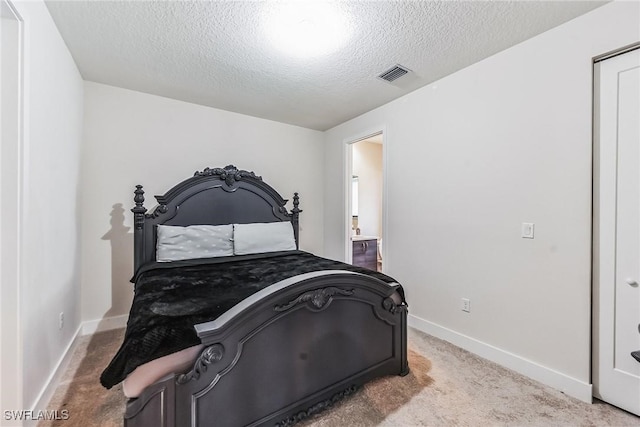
x: 172, y: 297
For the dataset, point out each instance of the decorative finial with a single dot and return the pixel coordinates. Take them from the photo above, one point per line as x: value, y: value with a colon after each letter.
x: 139, y: 196
x: 139, y: 209
x: 296, y: 203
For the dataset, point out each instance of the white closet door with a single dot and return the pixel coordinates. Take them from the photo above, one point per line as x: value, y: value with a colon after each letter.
x: 616, y: 376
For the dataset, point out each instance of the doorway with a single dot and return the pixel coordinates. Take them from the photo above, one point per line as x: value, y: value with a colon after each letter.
x: 365, y: 210
x: 616, y: 230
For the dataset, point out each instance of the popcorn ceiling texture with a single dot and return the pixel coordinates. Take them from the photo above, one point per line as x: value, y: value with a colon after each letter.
x: 217, y: 53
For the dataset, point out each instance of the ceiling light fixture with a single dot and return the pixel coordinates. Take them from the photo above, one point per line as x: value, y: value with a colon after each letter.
x: 305, y: 28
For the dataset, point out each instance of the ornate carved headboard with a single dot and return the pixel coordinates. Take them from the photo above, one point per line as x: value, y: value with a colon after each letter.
x: 214, y: 197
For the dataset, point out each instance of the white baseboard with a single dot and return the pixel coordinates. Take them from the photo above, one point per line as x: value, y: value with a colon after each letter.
x: 54, y: 379
x: 108, y: 323
x: 571, y: 386
x: 566, y: 384
x: 86, y: 328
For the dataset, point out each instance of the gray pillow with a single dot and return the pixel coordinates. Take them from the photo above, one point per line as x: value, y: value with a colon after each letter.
x: 263, y: 237
x: 195, y: 241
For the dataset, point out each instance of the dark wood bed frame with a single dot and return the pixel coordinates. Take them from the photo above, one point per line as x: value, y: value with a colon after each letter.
x: 283, y: 354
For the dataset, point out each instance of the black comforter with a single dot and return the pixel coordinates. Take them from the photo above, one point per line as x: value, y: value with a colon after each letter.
x: 172, y: 297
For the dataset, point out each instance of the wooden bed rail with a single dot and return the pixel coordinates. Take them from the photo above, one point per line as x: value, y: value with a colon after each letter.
x: 291, y: 352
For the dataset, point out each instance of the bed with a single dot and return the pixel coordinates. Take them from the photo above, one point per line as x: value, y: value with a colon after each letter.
x: 272, y: 334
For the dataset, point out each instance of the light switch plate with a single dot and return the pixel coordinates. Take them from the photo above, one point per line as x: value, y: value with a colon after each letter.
x: 527, y: 230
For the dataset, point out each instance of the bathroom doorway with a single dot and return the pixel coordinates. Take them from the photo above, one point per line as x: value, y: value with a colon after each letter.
x: 366, y: 207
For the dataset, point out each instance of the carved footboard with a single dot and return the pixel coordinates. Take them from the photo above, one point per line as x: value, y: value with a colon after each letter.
x: 284, y: 353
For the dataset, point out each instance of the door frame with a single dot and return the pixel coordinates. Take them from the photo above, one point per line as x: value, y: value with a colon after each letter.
x: 348, y: 174
x: 595, y: 208
x: 12, y: 185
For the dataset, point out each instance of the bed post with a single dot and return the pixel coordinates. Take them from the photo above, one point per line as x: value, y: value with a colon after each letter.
x: 138, y: 232
x: 295, y: 213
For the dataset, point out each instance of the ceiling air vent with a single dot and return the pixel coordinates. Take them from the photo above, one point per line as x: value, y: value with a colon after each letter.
x: 393, y: 73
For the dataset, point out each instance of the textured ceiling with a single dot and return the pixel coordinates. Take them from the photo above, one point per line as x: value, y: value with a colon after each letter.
x: 216, y: 53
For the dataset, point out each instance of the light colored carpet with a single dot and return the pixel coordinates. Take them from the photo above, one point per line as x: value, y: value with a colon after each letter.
x: 447, y: 386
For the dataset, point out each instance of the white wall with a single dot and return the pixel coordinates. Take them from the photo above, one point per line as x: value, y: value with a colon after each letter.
x: 10, y: 208
x: 135, y: 138
x: 471, y: 157
x: 367, y: 165
x: 50, y: 213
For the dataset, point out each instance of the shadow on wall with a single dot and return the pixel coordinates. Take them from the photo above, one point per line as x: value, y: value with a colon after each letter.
x: 80, y: 393
x: 121, y: 262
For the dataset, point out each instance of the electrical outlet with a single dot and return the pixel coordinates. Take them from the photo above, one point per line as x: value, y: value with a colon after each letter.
x: 61, y: 320
x: 466, y: 305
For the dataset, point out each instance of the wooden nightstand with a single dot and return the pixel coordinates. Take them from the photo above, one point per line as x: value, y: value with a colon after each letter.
x: 365, y: 253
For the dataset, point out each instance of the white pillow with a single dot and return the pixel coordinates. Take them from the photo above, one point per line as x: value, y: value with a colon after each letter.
x: 195, y: 241
x: 263, y: 237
